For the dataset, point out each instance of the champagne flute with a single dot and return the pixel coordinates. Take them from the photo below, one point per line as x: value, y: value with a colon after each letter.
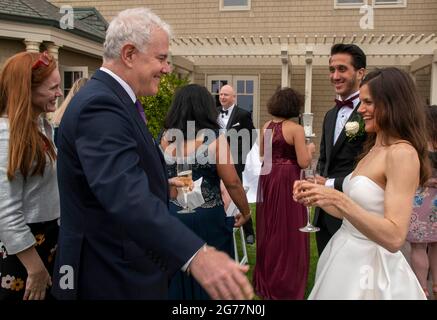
x: 185, y: 175
x: 309, y: 174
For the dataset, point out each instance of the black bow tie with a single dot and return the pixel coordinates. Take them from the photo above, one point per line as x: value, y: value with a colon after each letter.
x: 224, y: 112
x: 346, y: 103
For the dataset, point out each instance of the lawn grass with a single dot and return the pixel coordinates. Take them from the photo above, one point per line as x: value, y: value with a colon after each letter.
x: 251, y: 253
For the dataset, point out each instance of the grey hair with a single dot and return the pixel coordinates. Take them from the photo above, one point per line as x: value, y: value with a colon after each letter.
x: 131, y: 26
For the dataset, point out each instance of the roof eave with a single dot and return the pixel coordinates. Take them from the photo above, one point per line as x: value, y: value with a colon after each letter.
x: 51, y: 23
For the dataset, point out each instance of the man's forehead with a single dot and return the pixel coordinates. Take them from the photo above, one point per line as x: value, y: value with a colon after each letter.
x: 340, y: 59
x: 226, y: 90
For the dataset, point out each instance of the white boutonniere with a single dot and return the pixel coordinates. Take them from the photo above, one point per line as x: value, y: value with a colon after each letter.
x: 354, y: 128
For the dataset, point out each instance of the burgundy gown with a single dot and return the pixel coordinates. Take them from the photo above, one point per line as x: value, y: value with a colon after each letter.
x: 282, y: 251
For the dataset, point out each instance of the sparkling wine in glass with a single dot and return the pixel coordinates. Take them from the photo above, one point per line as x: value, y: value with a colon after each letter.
x: 308, y: 174
x: 185, y: 175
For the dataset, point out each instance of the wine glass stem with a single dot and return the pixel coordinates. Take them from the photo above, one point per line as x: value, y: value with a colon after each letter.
x: 186, y: 201
x: 308, y: 215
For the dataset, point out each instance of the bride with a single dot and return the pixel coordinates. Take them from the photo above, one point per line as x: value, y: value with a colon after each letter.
x: 362, y: 260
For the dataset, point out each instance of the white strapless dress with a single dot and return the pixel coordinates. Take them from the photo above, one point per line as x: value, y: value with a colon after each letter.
x: 352, y: 267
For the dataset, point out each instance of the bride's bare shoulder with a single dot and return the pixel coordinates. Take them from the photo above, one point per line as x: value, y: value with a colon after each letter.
x: 401, y: 148
x: 402, y: 152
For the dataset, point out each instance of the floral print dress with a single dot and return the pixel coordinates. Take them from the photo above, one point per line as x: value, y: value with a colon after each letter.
x: 423, y: 226
x: 13, y: 275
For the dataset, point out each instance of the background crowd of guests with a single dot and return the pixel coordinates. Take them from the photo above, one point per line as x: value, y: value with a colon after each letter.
x: 103, y: 199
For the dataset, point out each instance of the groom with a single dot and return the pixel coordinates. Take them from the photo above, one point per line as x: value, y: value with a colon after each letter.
x: 338, y: 148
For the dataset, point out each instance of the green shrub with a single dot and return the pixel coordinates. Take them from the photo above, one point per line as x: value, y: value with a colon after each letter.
x: 156, y: 107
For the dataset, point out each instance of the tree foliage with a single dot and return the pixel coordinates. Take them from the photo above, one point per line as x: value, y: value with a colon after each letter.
x: 156, y: 107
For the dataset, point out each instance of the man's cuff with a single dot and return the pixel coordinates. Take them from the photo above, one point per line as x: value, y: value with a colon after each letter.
x: 186, y: 265
x: 330, y: 183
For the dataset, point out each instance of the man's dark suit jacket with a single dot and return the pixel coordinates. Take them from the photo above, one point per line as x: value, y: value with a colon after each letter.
x: 116, y: 233
x: 336, y: 161
x: 239, y: 120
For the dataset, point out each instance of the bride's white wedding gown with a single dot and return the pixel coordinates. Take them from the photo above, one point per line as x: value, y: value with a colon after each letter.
x: 354, y: 267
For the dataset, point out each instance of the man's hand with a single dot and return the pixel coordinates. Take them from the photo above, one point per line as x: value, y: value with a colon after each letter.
x: 220, y: 275
x: 175, y: 183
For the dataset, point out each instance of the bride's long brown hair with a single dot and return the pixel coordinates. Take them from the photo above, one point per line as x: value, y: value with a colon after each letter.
x: 28, y: 147
x: 399, y: 113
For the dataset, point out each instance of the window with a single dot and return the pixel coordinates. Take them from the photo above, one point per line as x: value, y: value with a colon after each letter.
x: 69, y: 78
x: 214, y: 85
x: 226, y: 5
x: 389, y: 3
x: 347, y: 4
x: 245, y: 93
x: 246, y: 90
x: 69, y: 75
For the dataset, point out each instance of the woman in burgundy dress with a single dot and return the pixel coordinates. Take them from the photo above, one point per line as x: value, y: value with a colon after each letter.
x: 282, y: 251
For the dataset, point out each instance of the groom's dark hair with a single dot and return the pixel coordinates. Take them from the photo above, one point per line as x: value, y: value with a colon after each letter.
x: 358, y: 55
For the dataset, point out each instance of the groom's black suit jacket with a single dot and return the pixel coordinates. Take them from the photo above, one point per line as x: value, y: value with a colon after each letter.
x: 336, y: 161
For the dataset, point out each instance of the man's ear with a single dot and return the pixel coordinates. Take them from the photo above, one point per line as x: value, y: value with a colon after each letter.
x: 361, y: 74
x: 127, y: 54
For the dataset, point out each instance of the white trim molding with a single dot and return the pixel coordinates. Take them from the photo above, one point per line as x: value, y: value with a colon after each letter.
x: 391, y: 49
x: 414, y: 51
x: 60, y: 38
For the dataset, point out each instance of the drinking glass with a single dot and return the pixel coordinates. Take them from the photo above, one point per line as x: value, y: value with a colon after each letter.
x: 309, y: 174
x: 185, y: 175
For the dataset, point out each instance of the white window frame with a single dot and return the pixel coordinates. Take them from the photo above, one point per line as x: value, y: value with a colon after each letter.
x: 374, y: 3
x: 63, y: 69
x: 255, y: 79
x: 232, y: 80
x: 388, y: 4
x: 222, y: 7
x: 349, y: 5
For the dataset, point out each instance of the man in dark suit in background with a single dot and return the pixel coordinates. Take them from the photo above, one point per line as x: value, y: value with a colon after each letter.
x: 239, y: 128
x: 117, y: 239
x: 338, y: 152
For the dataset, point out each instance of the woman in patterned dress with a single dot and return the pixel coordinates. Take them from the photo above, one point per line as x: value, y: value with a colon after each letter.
x: 29, y: 200
x: 422, y: 234
x: 194, y: 105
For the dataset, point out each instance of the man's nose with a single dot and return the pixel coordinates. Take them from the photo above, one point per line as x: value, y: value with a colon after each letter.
x: 335, y: 74
x: 167, y: 67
